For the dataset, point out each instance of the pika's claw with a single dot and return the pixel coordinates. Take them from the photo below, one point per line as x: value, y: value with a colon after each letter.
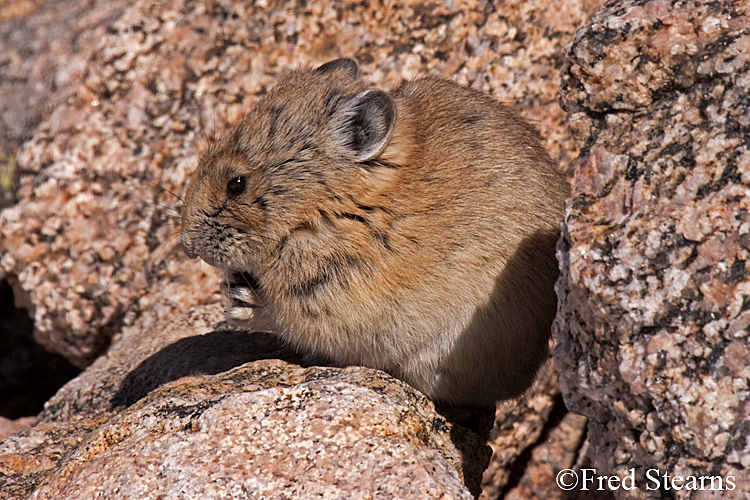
x: 246, y: 309
x: 249, y: 318
x: 241, y: 295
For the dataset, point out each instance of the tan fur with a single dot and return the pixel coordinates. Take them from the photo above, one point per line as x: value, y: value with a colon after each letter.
x: 424, y: 248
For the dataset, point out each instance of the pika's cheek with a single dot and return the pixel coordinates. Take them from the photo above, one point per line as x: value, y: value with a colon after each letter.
x: 188, y: 248
x: 187, y: 240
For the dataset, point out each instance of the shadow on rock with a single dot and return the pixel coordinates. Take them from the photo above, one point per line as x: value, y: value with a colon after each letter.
x: 469, y: 433
x: 208, y: 354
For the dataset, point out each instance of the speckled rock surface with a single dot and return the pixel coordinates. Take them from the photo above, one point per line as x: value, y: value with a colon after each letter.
x: 324, y: 437
x: 86, y: 402
x: 38, y: 40
x: 8, y: 426
x: 206, y: 413
x: 653, y: 326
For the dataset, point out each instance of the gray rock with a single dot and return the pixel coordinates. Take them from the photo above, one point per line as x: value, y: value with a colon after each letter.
x: 652, y: 329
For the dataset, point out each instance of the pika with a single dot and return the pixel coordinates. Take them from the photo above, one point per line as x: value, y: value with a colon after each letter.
x: 412, y: 231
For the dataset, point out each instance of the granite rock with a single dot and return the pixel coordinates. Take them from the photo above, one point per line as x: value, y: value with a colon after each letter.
x: 38, y: 40
x: 327, y: 436
x: 212, y: 413
x: 8, y: 426
x: 652, y: 327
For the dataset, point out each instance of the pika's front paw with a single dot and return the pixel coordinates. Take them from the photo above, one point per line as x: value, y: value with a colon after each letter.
x: 246, y: 309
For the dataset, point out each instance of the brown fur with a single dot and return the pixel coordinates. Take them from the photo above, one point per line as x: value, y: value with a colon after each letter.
x: 412, y: 231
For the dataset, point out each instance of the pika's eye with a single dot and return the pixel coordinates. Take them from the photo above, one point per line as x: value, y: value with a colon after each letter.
x: 236, y: 186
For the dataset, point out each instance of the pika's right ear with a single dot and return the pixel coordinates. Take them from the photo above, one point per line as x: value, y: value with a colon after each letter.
x: 364, y: 124
x: 344, y: 64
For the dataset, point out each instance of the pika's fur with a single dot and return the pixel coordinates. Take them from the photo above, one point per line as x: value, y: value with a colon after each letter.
x: 412, y: 231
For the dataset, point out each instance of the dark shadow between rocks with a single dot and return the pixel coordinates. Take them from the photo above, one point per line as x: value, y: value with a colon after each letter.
x: 29, y: 375
x: 207, y: 354
x: 469, y: 434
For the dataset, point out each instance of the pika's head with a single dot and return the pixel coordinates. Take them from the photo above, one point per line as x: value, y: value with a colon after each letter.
x: 294, y: 158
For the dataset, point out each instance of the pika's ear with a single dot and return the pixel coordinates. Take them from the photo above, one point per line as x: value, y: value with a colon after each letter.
x: 364, y: 124
x: 344, y: 64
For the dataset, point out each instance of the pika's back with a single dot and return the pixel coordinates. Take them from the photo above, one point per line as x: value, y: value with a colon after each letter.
x: 460, y: 141
x: 411, y: 231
